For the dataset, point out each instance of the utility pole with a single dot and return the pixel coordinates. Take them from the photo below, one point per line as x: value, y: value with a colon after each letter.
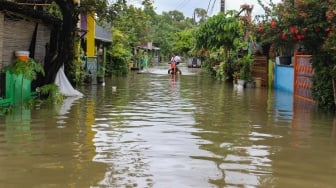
x: 222, y: 6
x: 194, y: 17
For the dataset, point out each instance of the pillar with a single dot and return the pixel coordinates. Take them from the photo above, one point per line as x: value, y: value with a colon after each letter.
x: 90, y: 36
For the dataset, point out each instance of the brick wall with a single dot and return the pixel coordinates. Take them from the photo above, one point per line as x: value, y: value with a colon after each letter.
x: 1, y: 37
x: 17, y: 35
x: 2, y: 76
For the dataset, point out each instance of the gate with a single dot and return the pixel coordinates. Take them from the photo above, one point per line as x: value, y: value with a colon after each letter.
x: 303, y: 75
x: 259, y: 68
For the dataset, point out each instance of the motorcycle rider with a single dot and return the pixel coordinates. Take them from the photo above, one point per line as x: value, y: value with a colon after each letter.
x: 177, y: 60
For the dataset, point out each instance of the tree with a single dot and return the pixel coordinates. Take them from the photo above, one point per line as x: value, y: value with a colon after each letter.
x: 166, y: 32
x: 184, y: 41
x: 62, y: 47
x: 222, y: 30
x: 220, y: 39
x: 201, y: 14
x: 120, y: 54
x: 175, y: 15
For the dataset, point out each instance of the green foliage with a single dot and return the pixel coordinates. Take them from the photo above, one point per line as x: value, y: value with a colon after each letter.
x: 310, y: 24
x: 289, y: 23
x: 207, y: 67
x: 28, y: 69
x: 54, y: 10
x: 101, y: 72
x: 172, y: 29
x: 217, y: 57
x: 139, y: 25
x: 175, y: 16
x: 131, y: 27
x: 322, y: 90
x: 223, y: 30
x: 119, y: 54
x: 48, y: 89
x: 102, y: 8
x: 221, y: 38
x: 134, y: 24
x: 184, y: 41
x: 50, y: 93
x: 201, y: 14
x: 221, y: 71
x: 77, y: 63
x: 163, y: 32
x: 245, y: 67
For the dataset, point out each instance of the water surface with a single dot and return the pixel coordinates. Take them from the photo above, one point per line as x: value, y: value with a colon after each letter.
x: 155, y: 130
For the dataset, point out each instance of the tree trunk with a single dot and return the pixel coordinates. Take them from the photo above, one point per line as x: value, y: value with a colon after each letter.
x: 61, y: 51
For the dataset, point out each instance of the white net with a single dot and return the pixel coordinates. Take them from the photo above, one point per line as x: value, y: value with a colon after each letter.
x: 64, y: 85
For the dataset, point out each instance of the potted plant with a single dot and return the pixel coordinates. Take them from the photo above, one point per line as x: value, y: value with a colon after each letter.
x: 244, y: 73
x: 26, y: 68
x: 235, y: 77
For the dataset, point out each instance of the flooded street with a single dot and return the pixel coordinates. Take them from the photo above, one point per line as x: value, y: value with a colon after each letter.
x: 158, y: 131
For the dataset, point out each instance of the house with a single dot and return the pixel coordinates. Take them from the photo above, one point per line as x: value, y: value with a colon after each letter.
x: 94, y: 42
x: 145, y: 54
x: 26, y: 29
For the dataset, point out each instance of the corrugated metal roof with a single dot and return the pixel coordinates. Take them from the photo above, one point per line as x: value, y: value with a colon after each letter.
x: 103, y: 33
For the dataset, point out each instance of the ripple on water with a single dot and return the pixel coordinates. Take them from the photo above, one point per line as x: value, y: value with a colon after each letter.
x: 154, y: 131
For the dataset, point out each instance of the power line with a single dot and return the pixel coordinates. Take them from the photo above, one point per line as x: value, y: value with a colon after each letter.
x: 213, y: 4
x: 208, y: 7
x: 182, y: 4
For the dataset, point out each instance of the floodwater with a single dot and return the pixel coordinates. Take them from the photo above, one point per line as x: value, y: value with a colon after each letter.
x: 157, y: 131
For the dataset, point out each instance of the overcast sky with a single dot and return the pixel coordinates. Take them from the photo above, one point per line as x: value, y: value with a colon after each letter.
x: 213, y: 6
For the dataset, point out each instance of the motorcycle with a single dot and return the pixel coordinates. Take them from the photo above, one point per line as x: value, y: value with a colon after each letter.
x: 173, y: 69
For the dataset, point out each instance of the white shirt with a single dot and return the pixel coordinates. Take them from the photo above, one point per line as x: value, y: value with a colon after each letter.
x: 176, y: 59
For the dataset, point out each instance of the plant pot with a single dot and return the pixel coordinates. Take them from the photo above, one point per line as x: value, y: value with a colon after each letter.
x: 241, y: 82
x: 285, y: 60
x: 258, y: 82
x: 22, y: 55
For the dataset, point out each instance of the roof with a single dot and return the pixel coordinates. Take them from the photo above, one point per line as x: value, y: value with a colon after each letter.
x: 149, y: 48
x: 103, y: 33
x: 15, y: 9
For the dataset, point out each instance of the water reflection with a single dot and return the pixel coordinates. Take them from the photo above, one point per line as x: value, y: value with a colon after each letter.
x: 233, y: 136
x: 66, y: 105
x: 149, y: 135
x: 283, y: 106
x: 160, y: 131
x: 36, y: 152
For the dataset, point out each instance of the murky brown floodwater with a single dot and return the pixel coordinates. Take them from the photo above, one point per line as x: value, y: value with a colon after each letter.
x: 154, y: 131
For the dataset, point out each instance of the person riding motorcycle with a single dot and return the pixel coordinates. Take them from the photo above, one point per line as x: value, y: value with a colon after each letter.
x: 174, y: 61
